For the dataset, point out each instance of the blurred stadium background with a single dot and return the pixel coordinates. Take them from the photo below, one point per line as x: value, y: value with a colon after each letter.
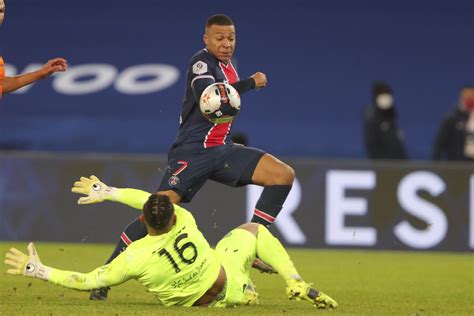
x: 115, y: 114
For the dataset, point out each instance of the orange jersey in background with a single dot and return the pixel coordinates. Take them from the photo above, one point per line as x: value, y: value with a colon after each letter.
x: 2, y: 75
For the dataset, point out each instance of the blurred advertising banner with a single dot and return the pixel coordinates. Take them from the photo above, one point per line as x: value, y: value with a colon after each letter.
x: 333, y: 203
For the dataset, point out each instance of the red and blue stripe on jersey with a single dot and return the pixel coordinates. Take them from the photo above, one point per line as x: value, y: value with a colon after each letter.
x: 218, y: 133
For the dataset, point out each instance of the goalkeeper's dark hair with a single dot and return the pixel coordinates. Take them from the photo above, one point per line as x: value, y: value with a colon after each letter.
x: 158, y: 211
x: 219, y: 19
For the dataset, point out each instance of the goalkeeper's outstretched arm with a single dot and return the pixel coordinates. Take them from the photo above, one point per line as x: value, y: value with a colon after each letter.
x: 96, y: 191
x: 114, y: 273
x: 132, y: 197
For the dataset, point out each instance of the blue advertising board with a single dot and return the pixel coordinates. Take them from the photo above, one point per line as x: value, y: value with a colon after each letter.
x: 333, y: 203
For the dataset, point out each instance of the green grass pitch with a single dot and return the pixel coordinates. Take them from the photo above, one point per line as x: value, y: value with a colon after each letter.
x: 363, y: 283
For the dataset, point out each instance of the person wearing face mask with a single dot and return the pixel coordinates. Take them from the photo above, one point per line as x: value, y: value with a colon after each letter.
x: 383, y: 138
x: 455, y: 139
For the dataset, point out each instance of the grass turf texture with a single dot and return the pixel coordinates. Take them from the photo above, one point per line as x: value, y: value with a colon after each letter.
x: 368, y: 283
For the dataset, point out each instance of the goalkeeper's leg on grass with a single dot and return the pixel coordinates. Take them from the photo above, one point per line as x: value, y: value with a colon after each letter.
x: 270, y: 250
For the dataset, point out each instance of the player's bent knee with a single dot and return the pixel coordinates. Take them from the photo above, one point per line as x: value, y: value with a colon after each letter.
x: 251, y: 227
x: 174, y: 197
x: 285, y: 175
x: 272, y: 171
x: 289, y: 175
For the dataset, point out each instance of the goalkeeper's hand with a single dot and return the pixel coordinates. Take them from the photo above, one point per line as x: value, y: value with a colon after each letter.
x: 96, y: 190
x: 27, y: 265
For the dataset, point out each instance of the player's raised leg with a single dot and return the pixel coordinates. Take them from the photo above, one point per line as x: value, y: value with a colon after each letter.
x: 277, y: 179
x: 239, y: 165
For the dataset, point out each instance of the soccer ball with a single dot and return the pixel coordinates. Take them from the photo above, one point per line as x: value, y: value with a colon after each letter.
x: 220, y: 103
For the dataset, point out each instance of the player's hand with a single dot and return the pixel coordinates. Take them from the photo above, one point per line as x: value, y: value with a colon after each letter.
x: 28, y: 265
x: 96, y: 190
x: 54, y: 65
x: 260, y: 80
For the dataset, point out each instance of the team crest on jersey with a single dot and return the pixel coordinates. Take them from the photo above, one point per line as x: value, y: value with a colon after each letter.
x: 173, y: 180
x: 199, y: 68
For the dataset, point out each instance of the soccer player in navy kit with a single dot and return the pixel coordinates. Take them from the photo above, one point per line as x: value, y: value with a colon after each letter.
x: 204, y: 150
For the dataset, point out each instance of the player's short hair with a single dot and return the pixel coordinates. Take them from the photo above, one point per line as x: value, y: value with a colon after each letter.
x: 158, y: 210
x: 218, y: 19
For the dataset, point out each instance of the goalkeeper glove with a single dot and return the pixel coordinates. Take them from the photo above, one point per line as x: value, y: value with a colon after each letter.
x: 96, y: 190
x: 29, y: 266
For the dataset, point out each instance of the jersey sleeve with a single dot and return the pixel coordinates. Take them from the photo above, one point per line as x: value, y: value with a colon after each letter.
x: 132, y: 197
x: 245, y: 85
x: 114, y: 273
x: 201, y: 74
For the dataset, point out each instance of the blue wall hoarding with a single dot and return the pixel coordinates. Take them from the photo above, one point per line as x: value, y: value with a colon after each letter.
x: 128, y: 61
x: 333, y: 204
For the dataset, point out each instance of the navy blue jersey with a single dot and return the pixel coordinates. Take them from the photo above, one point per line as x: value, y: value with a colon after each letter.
x: 194, y: 127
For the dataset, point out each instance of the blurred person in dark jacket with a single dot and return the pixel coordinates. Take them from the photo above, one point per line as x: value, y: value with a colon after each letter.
x: 383, y: 138
x: 455, y: 139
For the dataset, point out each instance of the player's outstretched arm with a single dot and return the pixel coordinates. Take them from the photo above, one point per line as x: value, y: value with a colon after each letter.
x: 30, y: 266
x: 96, y: 191
x: 260, y: 79
x: 11, y: 84
x: 256, y: 81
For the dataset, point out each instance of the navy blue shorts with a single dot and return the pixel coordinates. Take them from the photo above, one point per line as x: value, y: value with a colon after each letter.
x: 190, y: 167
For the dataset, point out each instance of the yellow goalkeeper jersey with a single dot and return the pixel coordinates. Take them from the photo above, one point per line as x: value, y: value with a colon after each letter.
x: 178, y: 267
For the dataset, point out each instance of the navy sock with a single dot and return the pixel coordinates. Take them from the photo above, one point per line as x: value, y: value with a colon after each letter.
x: 134, y: 231
x: 270, y: 204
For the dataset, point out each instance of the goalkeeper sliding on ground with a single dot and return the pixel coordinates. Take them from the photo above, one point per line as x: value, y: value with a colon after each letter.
x: 174, y: 261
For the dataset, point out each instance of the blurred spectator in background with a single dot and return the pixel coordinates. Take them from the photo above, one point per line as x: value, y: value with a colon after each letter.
x: 455, y: 139
x: 240, y: 138
x: 383, y: 139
